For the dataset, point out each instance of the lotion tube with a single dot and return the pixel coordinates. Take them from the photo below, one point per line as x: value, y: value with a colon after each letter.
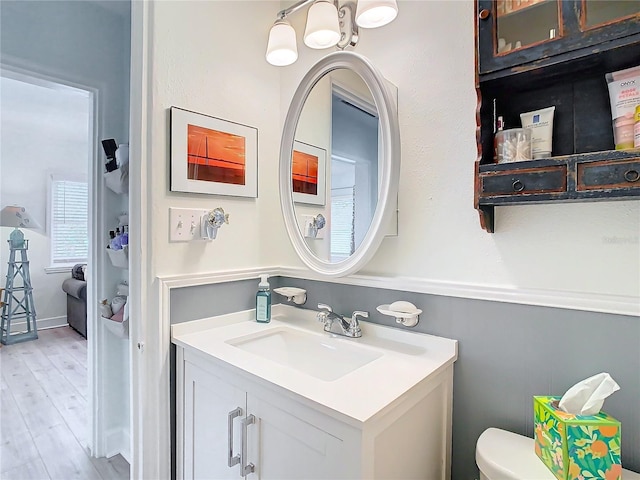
x: 541, y: 124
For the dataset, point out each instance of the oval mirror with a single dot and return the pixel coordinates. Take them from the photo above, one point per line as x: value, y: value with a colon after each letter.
x: 340, y: 164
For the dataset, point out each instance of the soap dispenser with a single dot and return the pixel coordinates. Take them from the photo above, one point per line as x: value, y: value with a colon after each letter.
x: 263, y: 301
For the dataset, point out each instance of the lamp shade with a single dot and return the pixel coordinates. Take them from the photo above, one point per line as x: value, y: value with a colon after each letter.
x: 15, y: 216
x: 323, y: 27
x: 282, y: 49
x: 375, y: 13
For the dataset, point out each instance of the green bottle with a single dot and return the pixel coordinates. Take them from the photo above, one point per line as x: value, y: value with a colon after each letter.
x: 263, y: 301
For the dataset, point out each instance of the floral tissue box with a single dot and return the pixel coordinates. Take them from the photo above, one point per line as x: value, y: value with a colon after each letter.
x: 576, y: 446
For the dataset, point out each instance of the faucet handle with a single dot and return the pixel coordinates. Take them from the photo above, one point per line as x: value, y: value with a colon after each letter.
x: 323, y: 306
x: 359, y: 313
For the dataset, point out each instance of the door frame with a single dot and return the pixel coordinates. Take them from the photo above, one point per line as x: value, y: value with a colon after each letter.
x: 36, y: 74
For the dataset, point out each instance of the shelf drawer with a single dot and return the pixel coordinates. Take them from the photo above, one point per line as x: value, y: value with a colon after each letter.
x: 608, y: 175
x: 524, y: 181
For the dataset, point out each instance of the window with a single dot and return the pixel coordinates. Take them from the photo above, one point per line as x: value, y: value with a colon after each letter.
x: 342, y: 223
x: 68, y: 217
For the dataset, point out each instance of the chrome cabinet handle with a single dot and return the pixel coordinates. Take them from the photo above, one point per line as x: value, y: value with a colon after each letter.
x: 232, y: 459
x: 249, y: 467
x: 518, y: 186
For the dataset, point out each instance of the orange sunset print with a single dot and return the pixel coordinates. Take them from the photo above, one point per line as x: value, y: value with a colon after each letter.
x: 305, y: 173
x: 215, y: 156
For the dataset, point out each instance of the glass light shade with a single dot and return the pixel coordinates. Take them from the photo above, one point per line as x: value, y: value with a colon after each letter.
x: 282, y: 49
x: 375, y: 13
x: 323, y: 27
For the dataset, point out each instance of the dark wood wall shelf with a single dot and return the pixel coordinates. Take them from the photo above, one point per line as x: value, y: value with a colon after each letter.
x: 568, y: 73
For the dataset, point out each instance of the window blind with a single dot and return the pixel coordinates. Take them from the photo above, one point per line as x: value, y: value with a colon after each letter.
x: 69, y: 222
x: 342, y: 223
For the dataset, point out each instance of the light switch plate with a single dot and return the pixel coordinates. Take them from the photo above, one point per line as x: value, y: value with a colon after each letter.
x: 184, y: 224
x: 303, y: 223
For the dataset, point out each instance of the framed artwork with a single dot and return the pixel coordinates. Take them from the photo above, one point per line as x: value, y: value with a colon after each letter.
x: 309, y: 173
x: 211, y: 155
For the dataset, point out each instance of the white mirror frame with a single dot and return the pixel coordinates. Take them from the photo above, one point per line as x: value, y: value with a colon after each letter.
x: 390, y: 171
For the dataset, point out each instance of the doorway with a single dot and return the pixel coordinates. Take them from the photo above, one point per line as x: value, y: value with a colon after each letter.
x: 354, y: 169
x: 52, y: 385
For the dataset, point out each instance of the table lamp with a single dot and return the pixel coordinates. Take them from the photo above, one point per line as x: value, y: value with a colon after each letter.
x: 17, y: 302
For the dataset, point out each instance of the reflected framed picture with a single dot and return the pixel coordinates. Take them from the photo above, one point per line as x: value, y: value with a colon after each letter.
x: 212, y: 155
x: 309, y: 173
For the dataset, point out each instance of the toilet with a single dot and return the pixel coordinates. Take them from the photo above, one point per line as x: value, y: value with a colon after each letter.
x: 503, y: 455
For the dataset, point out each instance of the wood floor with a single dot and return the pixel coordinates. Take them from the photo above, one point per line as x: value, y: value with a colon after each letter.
x: 43, y: 411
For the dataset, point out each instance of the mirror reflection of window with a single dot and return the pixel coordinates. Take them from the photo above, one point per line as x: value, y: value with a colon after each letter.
x: 342, y: 223
x: 354, y: 170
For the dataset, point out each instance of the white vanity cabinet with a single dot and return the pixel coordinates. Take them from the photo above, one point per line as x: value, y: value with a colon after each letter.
x: 293, y: 437
x: 279, y: 444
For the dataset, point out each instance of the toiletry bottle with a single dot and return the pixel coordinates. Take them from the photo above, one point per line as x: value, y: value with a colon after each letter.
x: 499, y: 127
x: 115, y: 240
x: 112, y: 236
x: 124, y: 238
x: 263, y: 301
x: 636, y: 128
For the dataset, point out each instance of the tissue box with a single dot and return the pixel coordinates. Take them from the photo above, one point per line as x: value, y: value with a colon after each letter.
x: 576, y: 446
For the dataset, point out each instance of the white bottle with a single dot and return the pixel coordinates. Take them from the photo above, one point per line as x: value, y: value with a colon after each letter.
x: 105, y: 309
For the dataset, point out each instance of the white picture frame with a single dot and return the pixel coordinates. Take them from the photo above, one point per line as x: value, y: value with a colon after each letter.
x: 318, y: 198
x: 196, y: 167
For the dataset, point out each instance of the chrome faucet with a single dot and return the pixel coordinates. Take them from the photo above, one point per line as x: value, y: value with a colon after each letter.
x: 348, y: 327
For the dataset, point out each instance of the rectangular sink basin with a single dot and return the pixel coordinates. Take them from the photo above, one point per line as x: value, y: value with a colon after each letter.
x: 320, y: 356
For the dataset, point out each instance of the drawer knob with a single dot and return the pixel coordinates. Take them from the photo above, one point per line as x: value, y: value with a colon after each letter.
x: 484, y: 14
x: 631, y: 176
x: 518, y: 186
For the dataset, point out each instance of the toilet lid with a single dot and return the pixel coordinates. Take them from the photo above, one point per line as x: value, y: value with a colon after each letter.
x: 503, y: 455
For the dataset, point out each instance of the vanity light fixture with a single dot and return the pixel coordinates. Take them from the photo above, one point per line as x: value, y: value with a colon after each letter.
x: 323, y: 25
x: 282, y: 49
x: 328, y: 24
x: 376, y: 13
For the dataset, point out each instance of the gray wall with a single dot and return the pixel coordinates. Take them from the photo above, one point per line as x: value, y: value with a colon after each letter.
x: 77, y: 41
x: 85, y: 43
x: 507, y: 353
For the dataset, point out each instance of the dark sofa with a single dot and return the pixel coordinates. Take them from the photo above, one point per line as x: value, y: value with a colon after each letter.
x: 76, y: 290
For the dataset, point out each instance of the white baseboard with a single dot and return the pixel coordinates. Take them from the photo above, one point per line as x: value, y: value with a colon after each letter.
x: 43, y: 323
x: 117, y: 441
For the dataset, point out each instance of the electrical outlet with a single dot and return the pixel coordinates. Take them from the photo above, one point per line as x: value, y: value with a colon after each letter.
x: 184, y: 224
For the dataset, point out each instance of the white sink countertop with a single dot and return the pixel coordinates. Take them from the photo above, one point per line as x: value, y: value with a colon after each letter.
x: 387, y: 362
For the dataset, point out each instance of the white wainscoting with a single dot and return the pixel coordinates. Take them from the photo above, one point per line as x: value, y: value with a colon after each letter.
x: 621, y: 305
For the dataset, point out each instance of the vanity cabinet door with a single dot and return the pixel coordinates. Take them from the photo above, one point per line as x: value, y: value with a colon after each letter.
x: 283, y: 446
x: 208, y: 403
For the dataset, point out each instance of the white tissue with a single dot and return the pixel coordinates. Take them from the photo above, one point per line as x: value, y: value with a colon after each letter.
x: 586, y: 397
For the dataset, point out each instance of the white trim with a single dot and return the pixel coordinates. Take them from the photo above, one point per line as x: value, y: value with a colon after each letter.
x: 592, y: 302
x: 44, y: 323
x: 59, y: 269
x: 195, y: 279
x: 150, y: 452
x: 115, y: 438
